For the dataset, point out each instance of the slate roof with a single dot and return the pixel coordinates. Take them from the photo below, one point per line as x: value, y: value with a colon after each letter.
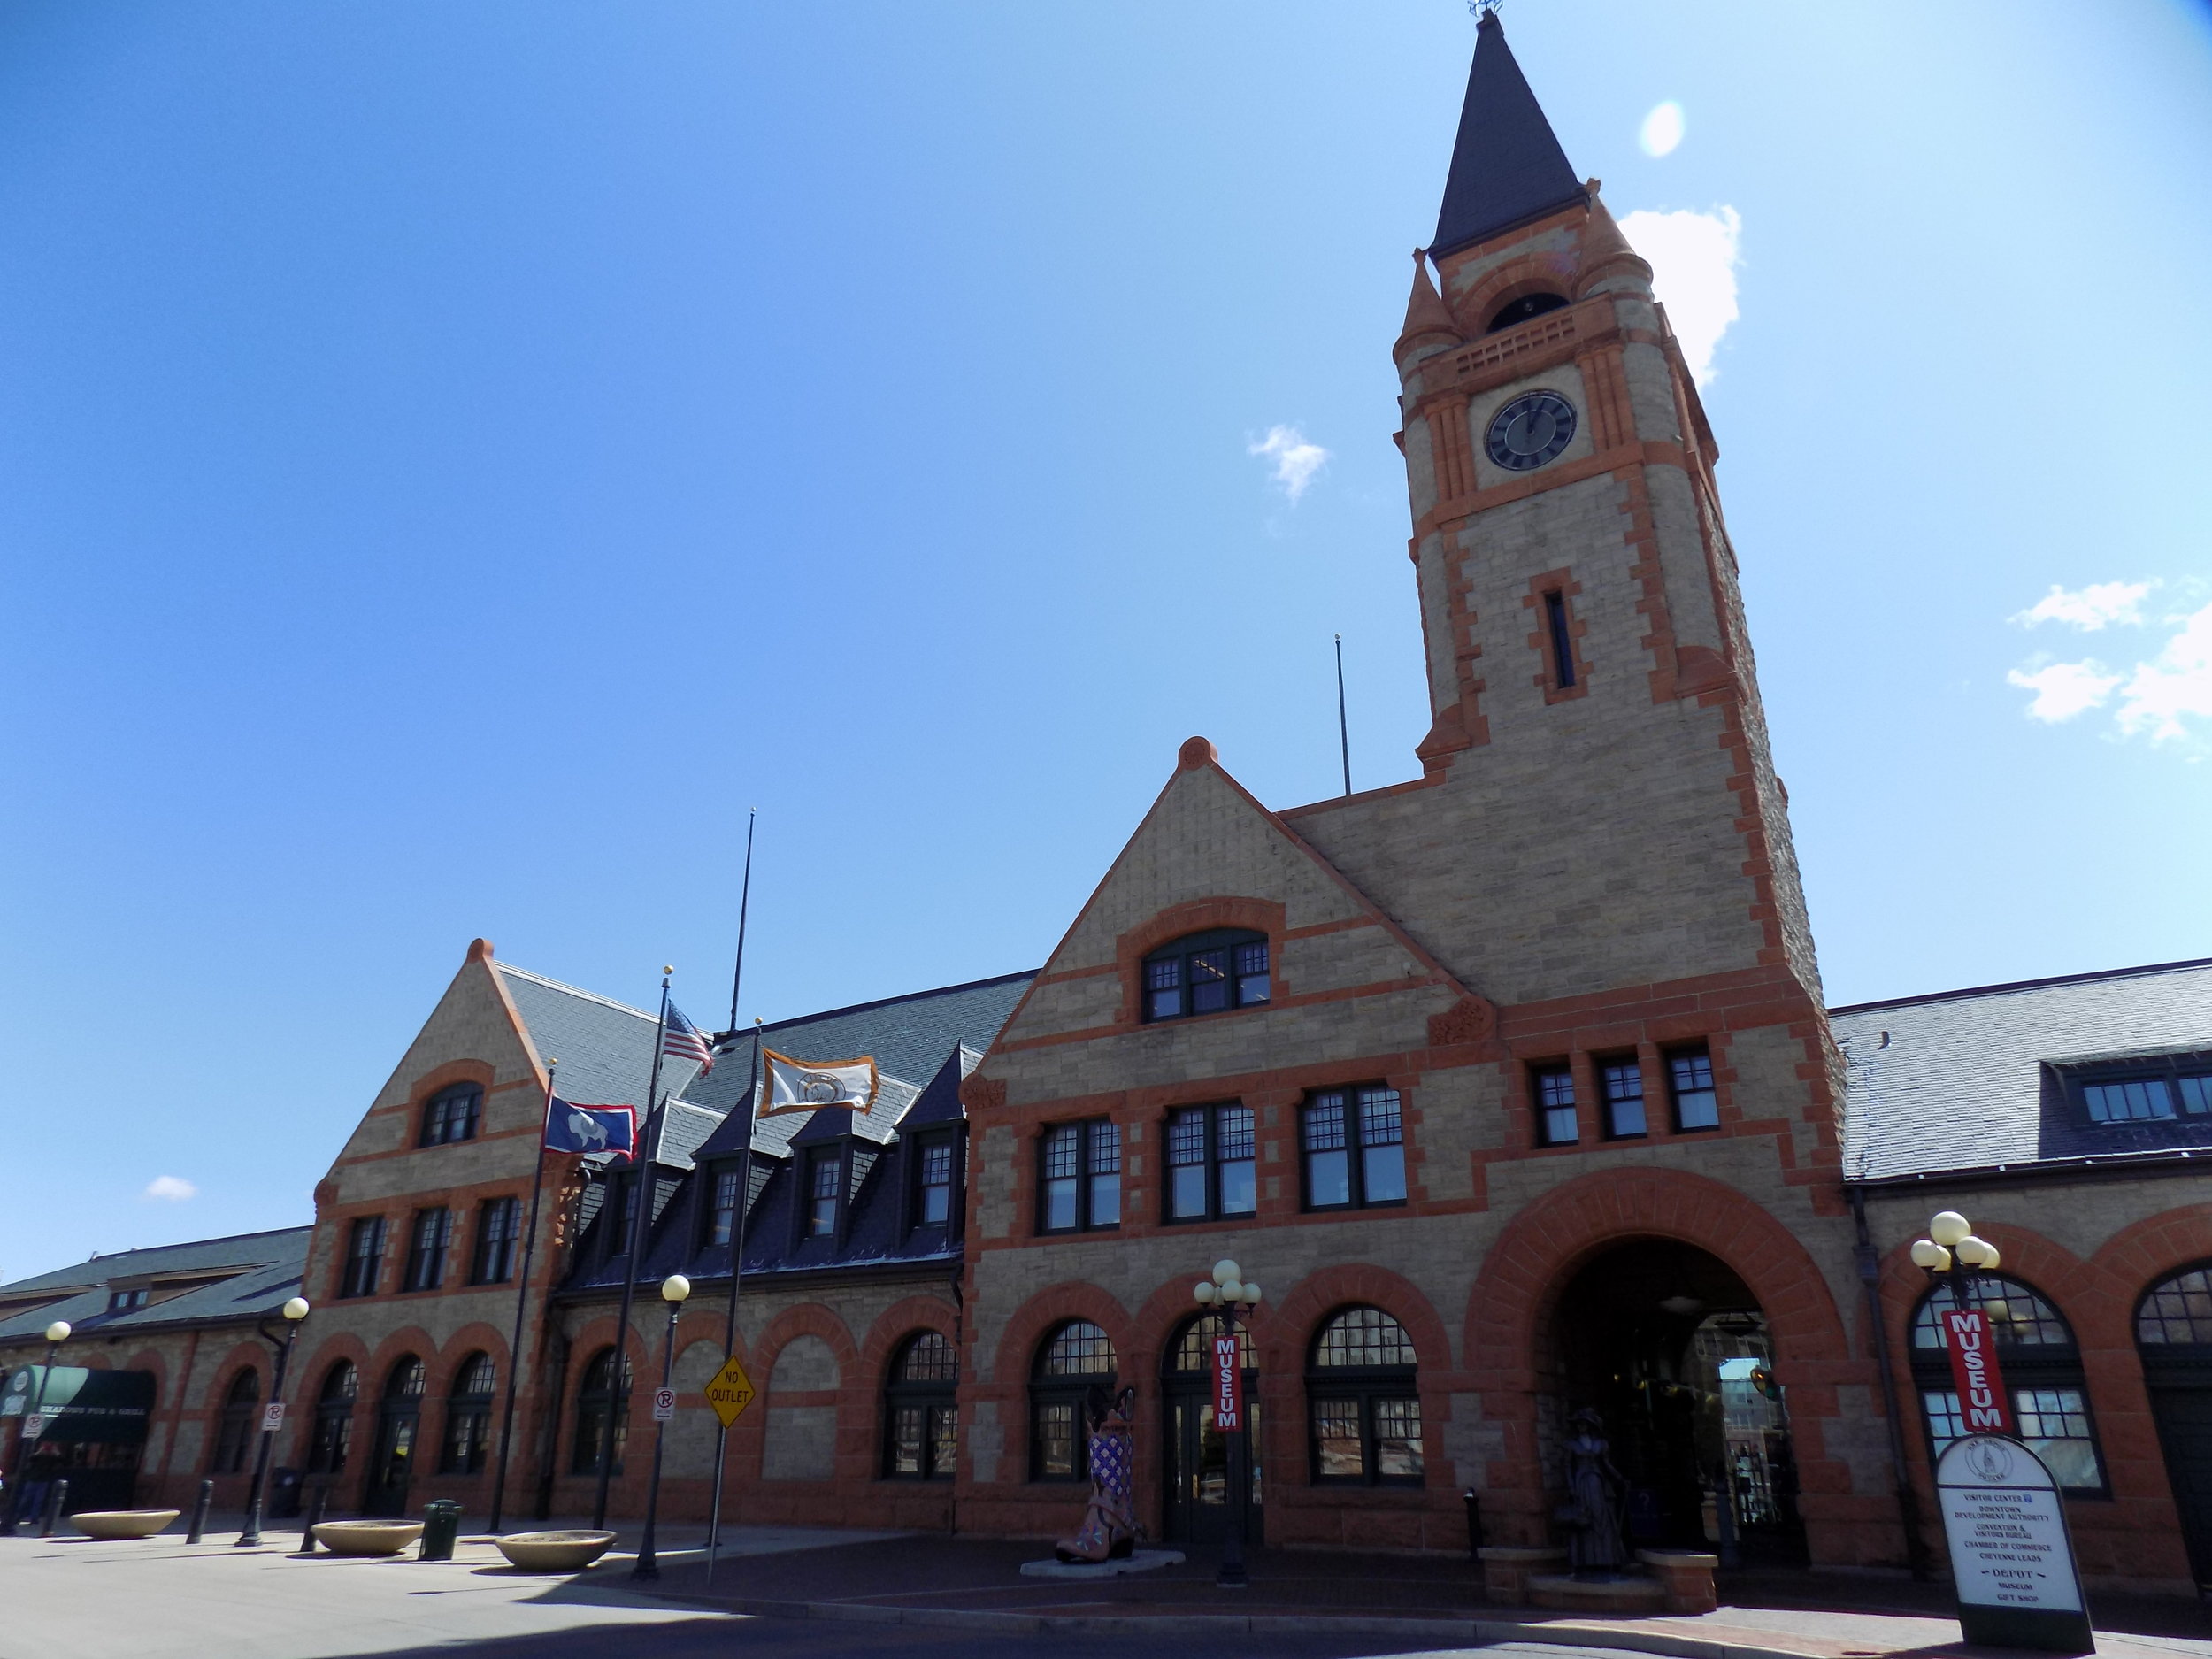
x: 1507, y: 164
x: 1964, y: 1080
x: 262, y: 1271
x: 605, y: 1047
x: 937, y: 1035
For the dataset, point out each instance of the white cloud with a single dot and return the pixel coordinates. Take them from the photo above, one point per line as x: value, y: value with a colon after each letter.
x: 1693, y: 258
x: 2090, y: 608
x: 2063, y: 690
x: 175, y: 1189
x: 1296, y: 461
x: 1662, y: 130
x: 2173, y: 686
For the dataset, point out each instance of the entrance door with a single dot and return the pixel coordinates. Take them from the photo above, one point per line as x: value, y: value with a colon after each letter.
x: 394, y: 1464
x: 2184, y: 1432
x: 2173, y: 1334
x: 1197, y: 1454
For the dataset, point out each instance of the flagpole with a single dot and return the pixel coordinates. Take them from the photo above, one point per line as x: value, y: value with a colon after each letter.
x: 641, y: 1206
x: 522, y: 1296
x: 737, y: 1278
x: 744, y: 903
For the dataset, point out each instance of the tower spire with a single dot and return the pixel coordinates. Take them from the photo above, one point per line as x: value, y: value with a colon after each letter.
x: 1507, y: 166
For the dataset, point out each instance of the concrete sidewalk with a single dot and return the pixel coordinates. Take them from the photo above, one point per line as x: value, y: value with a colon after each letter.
x: 928, y: 1580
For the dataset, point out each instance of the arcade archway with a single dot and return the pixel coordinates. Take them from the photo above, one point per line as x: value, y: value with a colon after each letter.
x: 1670, y: 1348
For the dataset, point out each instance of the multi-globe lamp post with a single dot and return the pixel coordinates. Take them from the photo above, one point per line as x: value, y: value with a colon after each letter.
x: 1228, y: 1291
x: 294, y: 1311
x: 1952, y: 1254
x: 57, y: 1333
x: 674, y: 1288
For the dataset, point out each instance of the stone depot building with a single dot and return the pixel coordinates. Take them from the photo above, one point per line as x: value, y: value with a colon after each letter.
x: 1512, y: 1085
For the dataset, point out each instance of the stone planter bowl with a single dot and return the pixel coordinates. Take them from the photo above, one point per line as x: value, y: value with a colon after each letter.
x: 554, y: 1552
x: 366, y: 1538
x: 122, y: 1523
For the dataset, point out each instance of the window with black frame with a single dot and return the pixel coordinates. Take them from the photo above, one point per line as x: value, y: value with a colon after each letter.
x: 468, y: 1417
x: 617, y: 1212
x: 1354, y: 1141
x: 2042, y: 1368
x: 498, y: 1225
x: 427, y: 1247
x: 1079, y: 1178
x: 934, y: 1170
x: 722, y: 1202
x: 333, y: 1420
x: 1074, y: 1371
x: 364, y: 1258
x: 2156, y: 1088
x: 1553, y: 1091
x: 1364, y: 1406
x: 824, y: 1179
x: 451, y: 1114
x: 1212, y: 1163
x: 921, y: 1418
x: 1690, y: 1088
x: 592, y: 1398
x: 241, y: 1410
x: 1621, y: 1083
x: 1206, y: 973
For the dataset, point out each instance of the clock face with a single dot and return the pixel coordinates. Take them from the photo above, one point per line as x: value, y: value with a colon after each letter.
x: 1531, y: 430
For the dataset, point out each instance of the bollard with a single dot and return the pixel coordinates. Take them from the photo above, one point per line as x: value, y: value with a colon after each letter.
x: 199, y: 1512
x: 315, y: 1506
x: 1474, y: 1524
x: 54, y: 1502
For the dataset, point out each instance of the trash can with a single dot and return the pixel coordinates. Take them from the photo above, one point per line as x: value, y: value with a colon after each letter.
x: 440, y: 1525
x: 284, y: 1494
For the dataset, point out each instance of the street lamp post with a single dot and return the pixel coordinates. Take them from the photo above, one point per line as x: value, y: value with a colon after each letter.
x: 674, y: 1288
x: 1952, y: 1254
x: 57, y: 1333
x: 1228, y: 1290
x: 295, y: 1311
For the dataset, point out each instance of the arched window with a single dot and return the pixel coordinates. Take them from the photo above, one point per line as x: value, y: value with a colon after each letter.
x: 2173, y: 1335
x: 1521, y: 309
x: 593, y: 1400
x: 2042, y: 1368
x: 2178, y: 1312
x: 468, y: 1418
x: 1365, y: 1412
x: 1206, y: 973
x: 333, y: 1420
x: 451, y: 1114
x: 1074, y: 1371
x: 240, y: 1407
x: 921, y: 1437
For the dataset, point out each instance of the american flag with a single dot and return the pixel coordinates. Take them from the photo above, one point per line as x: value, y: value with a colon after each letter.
x: 680, y: 1041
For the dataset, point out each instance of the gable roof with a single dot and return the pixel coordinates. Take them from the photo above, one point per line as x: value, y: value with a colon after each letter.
x: 605, y: 1047
x: 1507, y: 166
x: 259, y: 1271
x: 1963, y: 1081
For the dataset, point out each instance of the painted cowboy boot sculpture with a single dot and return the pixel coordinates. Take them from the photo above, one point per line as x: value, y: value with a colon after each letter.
x: 1110, y: 1521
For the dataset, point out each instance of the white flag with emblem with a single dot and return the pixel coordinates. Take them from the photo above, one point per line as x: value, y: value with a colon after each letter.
x: 799, y: 1086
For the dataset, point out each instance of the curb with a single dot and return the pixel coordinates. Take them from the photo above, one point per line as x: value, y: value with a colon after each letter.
x: 1472, y: 1633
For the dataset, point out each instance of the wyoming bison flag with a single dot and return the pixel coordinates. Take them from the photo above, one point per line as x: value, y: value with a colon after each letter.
x: 798, y: 1085
x: 571, y: 1128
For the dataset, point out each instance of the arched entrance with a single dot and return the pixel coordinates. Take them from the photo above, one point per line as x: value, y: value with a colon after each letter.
x: 1197, y: 1453
x: 2173, y: 1334
x: 399, y: 1417
x: 1669, y: 1346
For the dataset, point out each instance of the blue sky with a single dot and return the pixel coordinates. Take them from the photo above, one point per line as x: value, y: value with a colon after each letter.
x: 456, y: 458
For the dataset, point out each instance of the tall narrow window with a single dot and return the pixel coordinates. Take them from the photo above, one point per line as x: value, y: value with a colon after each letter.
x: 1207, y: 973
x: 333, y: 1420
x: 1623, y: 1084
x: 1074, y: 1366
x: 451, y: 1114
x: 1563, y: 650
x: 1080, y: 1176
x: 921, y: 1418
x: 722, y: 1205
x: 497, y: 1223
x: 241, y: 1409
x: 364, y: 1257
x: 426, y: 1249
x: 1690, y: 1081
x: 1211, y: 1162
x: 594, y: 1399
x: 824, y: 1165
x: 1554, y: 1087
x: 933, y: 1207
x: 619, y: 1211
x: 1355, y: 1145
x: 468, y: 1418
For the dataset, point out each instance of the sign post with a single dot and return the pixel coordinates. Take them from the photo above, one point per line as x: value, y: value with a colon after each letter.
x: 2012, y: 1558
x: 664, y: 1405
x: 730, y: 1391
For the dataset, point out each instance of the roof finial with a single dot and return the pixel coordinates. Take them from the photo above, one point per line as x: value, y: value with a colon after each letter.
x: 1484, y: 8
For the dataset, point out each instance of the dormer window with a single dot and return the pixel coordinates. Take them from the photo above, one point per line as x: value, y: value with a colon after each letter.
x: 932, y: 1206
x: 2154, y: 1089
x: 1206, y: 973
x: 825, y: 1165
x: 451, y: 1114
x: 125, y: 1301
